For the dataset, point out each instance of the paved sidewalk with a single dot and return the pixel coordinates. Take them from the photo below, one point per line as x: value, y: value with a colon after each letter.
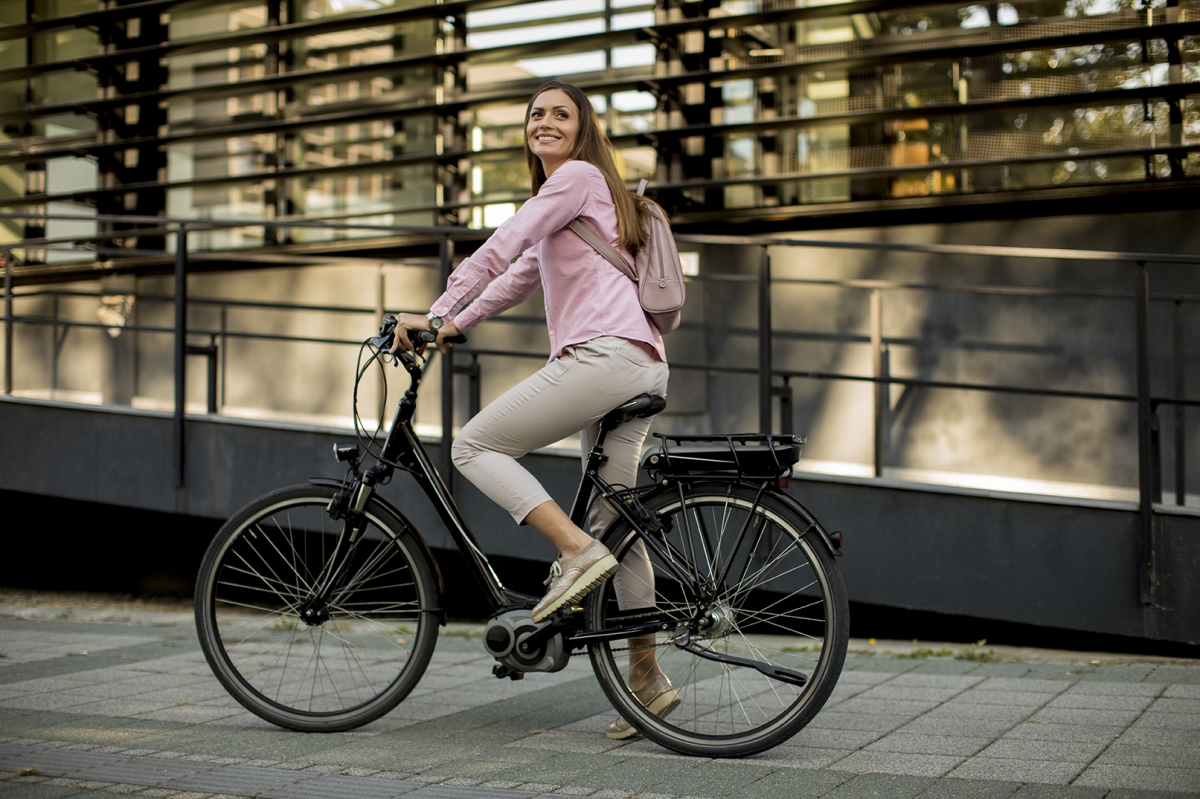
x: 102, y: 702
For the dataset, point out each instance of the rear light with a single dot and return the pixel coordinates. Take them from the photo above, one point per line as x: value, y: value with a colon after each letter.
x: 782, y: 482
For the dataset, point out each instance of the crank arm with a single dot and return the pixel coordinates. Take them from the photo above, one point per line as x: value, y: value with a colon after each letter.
x: 774, y: 672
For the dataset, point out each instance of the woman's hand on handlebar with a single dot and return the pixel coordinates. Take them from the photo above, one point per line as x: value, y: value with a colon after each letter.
x: 408, y: 323
x: 449, y: 330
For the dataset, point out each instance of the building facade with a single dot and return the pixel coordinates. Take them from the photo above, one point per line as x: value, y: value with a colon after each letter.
x: 743, y: 115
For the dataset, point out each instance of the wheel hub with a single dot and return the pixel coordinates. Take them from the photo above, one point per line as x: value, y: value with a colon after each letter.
x: 314, y: 613
x: 717, y: 621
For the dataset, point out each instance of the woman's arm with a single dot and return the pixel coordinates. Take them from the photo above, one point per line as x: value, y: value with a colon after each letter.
x: 509, y: 290
x: 561, y: 198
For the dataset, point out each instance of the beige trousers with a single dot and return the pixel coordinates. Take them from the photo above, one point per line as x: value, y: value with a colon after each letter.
x: 569, y: 395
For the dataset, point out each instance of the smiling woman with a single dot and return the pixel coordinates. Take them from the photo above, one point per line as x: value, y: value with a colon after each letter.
x: 604, y: 352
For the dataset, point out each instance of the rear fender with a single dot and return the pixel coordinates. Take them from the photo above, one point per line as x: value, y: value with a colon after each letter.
x: 832, y: 541
x: 834, y: 545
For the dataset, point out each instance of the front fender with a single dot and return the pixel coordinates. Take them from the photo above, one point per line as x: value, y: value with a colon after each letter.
x: 421, y: 543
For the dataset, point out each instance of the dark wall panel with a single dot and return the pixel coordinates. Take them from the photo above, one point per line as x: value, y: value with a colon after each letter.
x: 1047, y: 563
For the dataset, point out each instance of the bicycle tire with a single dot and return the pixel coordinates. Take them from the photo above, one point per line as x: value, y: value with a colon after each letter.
x: 370, y: 643
x: 785, y: 607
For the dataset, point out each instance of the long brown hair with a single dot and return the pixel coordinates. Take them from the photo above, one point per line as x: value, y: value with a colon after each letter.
x: 591, y: 145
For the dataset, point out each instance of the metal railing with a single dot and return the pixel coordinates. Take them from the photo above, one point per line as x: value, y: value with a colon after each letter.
x: 774, y: 385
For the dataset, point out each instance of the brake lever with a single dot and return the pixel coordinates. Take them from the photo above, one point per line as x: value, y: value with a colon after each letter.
x: 387, y: 333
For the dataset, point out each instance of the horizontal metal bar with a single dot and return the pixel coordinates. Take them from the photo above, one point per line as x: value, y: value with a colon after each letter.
x: 784, y: 373
x: 47, y: 322
x: 945, y: 249
x: 867, y: 285
x: 693, y: 238
x: 223, y: 224
x: 883, y: 171
x: 933, y: 110
x: 1014, y: 291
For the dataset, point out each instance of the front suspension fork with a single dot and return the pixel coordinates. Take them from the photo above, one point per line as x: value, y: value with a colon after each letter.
x: 353, y: 511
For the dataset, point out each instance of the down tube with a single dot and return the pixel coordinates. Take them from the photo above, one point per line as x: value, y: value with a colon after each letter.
x: 435, y: 488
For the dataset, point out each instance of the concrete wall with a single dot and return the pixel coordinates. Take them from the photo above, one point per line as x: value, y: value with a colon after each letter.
x: 1070, y: 565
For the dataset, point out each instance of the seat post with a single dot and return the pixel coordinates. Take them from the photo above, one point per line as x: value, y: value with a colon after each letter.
x: 595, y: 458
x: 639, y: 407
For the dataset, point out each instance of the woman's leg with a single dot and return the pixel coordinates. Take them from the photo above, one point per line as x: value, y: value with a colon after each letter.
x: 550, y: 520
x: 634, y: 582
x: 562, y: 398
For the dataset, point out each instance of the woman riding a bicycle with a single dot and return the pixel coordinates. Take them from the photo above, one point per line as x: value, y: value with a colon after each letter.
x: 604, y: 350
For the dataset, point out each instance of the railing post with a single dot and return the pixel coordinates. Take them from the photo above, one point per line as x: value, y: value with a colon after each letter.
x: 381, y: 291
x: 8, y: 322
x: 784, y: 393
x: 447, y: 465
x: 56, y: 345
x: 471, y: 370
x: 180, y: 352
x: 878, y: 370
x: 1146, y: 538
x: 1180, y: 387
x: 212, y: 375
x: 764, y: 342
x: 223, y: 351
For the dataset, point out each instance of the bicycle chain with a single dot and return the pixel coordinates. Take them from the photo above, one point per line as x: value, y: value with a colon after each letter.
x: 626, y: 648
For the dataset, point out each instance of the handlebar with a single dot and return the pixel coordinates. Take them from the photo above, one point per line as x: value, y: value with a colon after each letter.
x: 387, y: 332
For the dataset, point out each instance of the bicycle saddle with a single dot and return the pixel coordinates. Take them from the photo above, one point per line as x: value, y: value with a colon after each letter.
x: 639, y: 407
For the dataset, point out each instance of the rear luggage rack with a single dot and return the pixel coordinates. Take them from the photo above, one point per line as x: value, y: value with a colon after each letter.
x: 750, y: 455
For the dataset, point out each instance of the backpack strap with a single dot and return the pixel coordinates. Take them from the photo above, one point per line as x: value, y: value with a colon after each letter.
x: 603, y: 247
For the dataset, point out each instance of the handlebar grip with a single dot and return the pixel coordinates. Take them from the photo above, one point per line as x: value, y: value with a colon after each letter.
x: 428, y: 337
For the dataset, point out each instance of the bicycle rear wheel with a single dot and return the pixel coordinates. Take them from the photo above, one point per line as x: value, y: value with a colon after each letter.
x: 748, y: 576
x: 362, y: 650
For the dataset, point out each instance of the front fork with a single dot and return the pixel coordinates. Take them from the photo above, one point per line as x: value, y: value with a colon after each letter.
x: 350, y: 506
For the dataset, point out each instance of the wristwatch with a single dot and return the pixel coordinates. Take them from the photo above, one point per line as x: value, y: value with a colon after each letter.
x: 435, y: 321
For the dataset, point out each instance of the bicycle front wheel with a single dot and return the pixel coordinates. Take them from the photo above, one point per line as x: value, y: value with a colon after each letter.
x: 756, y: 616
x: 302, y: 661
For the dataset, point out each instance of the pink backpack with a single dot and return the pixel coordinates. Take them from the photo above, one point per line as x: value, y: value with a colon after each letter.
x: 656, y: 269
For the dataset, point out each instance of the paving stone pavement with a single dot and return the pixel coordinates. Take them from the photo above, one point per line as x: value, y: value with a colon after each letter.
x: 96, y: 704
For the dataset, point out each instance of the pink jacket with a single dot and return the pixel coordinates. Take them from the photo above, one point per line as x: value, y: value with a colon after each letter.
x: 586, y: 296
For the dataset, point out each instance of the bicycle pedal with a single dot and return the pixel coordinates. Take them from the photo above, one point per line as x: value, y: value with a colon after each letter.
x: 500, y: 671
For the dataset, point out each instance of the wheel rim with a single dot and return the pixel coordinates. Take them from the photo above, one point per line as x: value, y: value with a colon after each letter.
x: 298, y: 654
x: 773, y: 607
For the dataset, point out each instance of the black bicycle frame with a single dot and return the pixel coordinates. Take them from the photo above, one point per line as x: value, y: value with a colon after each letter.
x: 404, y: 449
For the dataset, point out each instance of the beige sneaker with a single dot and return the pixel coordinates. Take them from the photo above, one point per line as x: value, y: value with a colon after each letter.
x: 659, y: 697
x: 571, y: 580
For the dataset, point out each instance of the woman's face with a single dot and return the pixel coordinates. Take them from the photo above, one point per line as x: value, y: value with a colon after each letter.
x: 552, y: 127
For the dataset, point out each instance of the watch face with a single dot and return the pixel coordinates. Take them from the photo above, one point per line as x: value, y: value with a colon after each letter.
x: 435, y: 322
